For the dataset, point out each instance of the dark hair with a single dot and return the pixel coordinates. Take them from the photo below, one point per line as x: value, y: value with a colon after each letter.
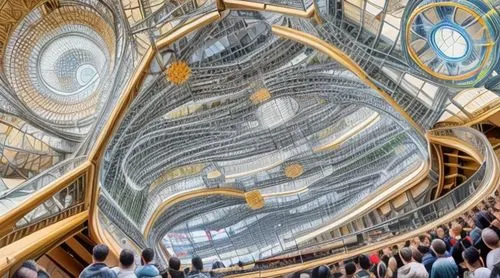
x: 364, y: 262
x: 385, y: 259
x: 197, y: 263
x: 148, y: 255
x: 423, y: 249
x: 100, y: 252
x: 174, y: 263
x: 422, y: 237
x: 240, y: 263
x: 405, y: 254
x: 218, y: 264
x: 471, y: 255
x: 126, y: 257
x: 483, y: 220
x: 439, y: 246
x: 350, y: 268
x: 321, y: 271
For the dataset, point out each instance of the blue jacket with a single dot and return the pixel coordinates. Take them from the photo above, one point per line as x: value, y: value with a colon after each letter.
x: 429, y: 258
x: 147, y: 270
x: 97, y: 270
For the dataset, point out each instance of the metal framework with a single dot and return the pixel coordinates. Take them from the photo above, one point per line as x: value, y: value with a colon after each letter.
x: 247, y: 128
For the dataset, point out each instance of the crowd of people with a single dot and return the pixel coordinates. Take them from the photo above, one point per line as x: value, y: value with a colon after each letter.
x: 468, y: 247
x: 128, y: 269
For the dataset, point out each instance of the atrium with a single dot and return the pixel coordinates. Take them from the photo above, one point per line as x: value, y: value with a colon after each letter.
x: 270, y: 136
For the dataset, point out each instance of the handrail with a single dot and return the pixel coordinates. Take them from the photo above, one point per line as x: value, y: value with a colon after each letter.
x: 33, y: 183
x: 40, y: 241
x: 10, y: 218
x: 450, y: 206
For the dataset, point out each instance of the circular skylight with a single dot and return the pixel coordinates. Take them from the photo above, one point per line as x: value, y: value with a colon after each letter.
x: 450, y: 42
x: 71, y: 65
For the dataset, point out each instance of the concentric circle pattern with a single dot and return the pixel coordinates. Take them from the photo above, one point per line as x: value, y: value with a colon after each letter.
x: 453, y: 41
x: 56, y: 62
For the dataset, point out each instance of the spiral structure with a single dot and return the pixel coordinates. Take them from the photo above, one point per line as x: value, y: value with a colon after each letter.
x: 57, y: 62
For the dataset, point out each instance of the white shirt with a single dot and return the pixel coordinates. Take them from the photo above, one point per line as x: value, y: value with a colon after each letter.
x: 493, y: 258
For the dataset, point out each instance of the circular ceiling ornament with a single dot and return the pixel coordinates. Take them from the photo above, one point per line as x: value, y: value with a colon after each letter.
x: 178, y: 72
x: 294, y: 170
x: 260, y: 96
x: 452, y: 41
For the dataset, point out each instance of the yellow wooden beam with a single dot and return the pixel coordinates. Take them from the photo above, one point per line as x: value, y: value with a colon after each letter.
x: 40, y: 242
x: 10, y: 218
x: 339, y: 56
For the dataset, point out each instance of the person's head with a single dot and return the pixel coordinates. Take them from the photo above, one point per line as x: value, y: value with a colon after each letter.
x: 472, y: 258
x: 147, y: 255
x: 424, y: 240
x: 174, y: 263
x: 423, y: 249
x: 440, y: 233
x: 405, y: 255
x: 456, y: 230
x: 350, y: 268
x: 27, y: 270
x: 483, y: 220
x: 439, y: 247
x: 321, y: 271
x: 126, y: 258
x: 197, y: 263
x: 374, y: 259
x: 490, y: 238
x: 364, y: 262
x: 416, y: 255
x: 100, y: 253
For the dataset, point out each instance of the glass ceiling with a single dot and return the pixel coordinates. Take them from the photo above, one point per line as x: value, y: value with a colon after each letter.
x: 234, y: 107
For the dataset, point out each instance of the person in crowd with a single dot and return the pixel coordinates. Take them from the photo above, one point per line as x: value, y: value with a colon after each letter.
x: 25, y: 272
x: 459, y: 241
x: 174, y: 268
x: 336, y: 271
x: 196, y: 268
x: 381, y: 271
x: 321, y: 271
x: 492, y: 241
x: 350, y: 270
x: 416, y: 255
x: 474, y: 264
x: 444, y: 266
x: 410, y: 269
x: 148, y: 269
x: 393, y: 267
x: 441, y: 234
x: 31, y: 269
x: 364, y: 265
x: 126, y: 268
x: 98, y: 268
